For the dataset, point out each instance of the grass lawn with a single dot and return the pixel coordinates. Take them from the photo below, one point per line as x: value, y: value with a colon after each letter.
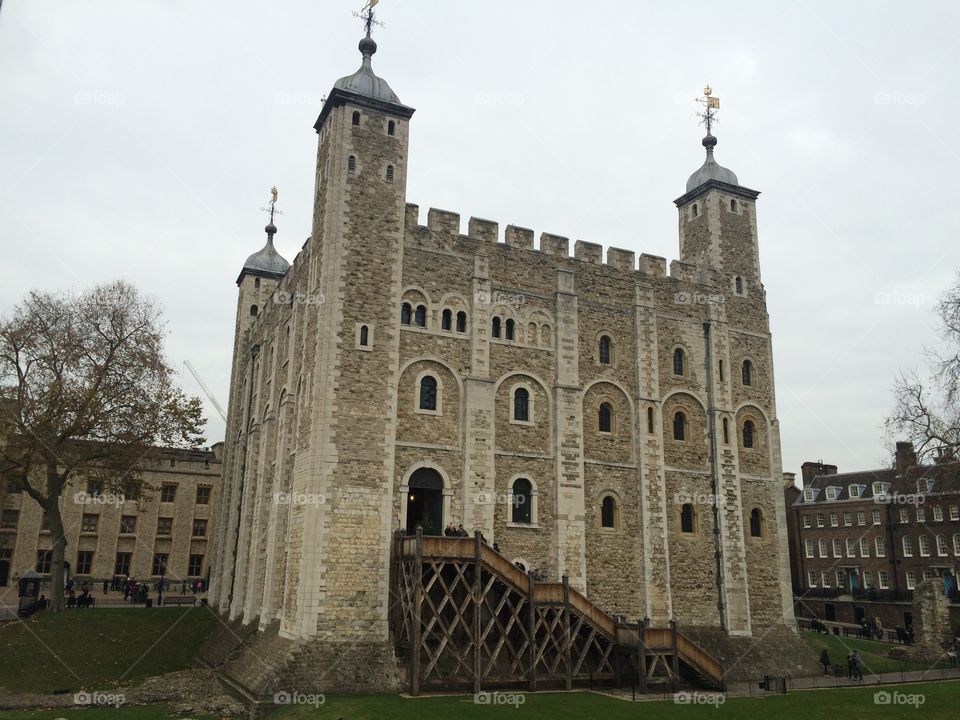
x: 940, y: 701
x: 147, y: 712
x: 96, y: 649
x: 872, y: 654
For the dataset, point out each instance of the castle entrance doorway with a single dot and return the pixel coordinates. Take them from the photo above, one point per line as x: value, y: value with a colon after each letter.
x: 425, y: 502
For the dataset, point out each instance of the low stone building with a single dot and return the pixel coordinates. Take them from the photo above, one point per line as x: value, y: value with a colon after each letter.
x: 166, y: 520
x: 864, y: 540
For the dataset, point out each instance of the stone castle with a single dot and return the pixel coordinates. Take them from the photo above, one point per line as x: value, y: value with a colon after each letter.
x: 597, y: 417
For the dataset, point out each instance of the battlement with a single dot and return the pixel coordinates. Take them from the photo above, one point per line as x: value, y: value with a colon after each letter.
x: 445, y: 227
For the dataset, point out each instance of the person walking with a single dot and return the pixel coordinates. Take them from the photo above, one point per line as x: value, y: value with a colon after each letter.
x: 857, y: 669
x: 825, y: 661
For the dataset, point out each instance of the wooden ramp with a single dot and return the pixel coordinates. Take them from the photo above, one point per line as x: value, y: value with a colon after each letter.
x: 464, y: 617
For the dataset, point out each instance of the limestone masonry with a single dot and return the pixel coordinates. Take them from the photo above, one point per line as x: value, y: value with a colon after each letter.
x: 596, y: 416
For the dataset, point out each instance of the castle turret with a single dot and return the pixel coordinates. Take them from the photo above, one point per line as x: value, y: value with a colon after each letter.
x: 718, y: 221
x: 357, y: 246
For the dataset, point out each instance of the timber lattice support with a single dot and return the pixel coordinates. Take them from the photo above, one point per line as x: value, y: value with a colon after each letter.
x: 464, y: 617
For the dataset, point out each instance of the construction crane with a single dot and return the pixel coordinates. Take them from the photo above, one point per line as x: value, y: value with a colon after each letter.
x: 206, y: 390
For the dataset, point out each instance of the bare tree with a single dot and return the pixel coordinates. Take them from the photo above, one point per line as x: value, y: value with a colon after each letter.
x: 927, y: 412
x: 86, y: 391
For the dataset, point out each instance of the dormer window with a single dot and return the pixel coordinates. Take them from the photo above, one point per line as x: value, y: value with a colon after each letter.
x: 856, y: 490
x: 809, y: 495
x: 833, y: 493
x: 880, y: 488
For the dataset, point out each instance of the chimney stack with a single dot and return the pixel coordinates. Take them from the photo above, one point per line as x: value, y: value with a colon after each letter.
x: 905, y: 458
x: 809, y: 470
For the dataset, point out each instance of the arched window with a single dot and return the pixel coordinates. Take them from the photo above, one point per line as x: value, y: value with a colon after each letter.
x: 687, y: 524
x: 406, y: 313
x: 496, y: 327
x: 605, y: 350
x: 747, y: 373
x: 420, y: 316
x: 608, y: 512
x: 428, y: 393
x: 679, y: 426
x: 521, y: 501
x: 510, y: 326
x: 391, y: 128
x: 521, y: 405
x: 924, y: 546
x: 389, y: 173
x: 722, y: 378
x: 256, y: 282
x: 756, y: 523
x: 748, y: 434
x: 733, y: 204
x: 461, y: 322
x: 837, y: 548
x: 738, y: 284
x: 696, y: 210
x: 253, y: 311
x: 851, y: 548
x: 907, y: 546
x: 650, y: 420
x: 364, y: 335
x: 356, y: 117
x: 351, y: 165
x: 605, y: 418
x: 447, y: 322
x: 726, y: 432
x: 956, y: 543
x: 678, y: 362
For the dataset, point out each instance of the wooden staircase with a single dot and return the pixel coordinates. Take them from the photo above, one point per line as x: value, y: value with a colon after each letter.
x: 464, y: 617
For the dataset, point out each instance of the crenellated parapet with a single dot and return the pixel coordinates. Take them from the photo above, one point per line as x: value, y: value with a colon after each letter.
x: 442, y: 233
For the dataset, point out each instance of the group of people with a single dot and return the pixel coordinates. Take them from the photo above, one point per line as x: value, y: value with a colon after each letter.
x: 455, y: 531
x: 871, y: 629
x: 83, y: 600
x: 854, y: 664
x: 138, y: 590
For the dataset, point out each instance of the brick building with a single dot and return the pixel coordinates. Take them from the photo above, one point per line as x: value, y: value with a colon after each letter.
x: 169, y: 519
x: 607, y: 420
x: 864, y: 540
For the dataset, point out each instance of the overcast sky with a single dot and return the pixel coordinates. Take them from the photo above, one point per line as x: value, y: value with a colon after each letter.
x: 139, y: 140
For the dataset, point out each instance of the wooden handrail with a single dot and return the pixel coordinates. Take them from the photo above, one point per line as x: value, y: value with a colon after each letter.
x: 552, y: 593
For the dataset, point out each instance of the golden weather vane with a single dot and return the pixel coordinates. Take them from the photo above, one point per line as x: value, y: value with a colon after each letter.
x: 711, y: 104
x: 366, y: 14
x: 273, y: 204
